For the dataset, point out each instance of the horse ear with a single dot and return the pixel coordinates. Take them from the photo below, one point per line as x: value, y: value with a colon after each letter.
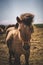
x: 18, y: 19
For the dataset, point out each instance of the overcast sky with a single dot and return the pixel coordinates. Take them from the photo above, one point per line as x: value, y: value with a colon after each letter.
x: 10, y: 9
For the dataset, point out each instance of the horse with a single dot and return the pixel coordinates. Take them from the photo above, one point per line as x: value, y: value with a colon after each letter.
x: 1, y: 31
x: 18, y: 40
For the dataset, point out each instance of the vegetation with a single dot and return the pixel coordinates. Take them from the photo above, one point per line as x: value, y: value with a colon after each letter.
x: 39, y: 25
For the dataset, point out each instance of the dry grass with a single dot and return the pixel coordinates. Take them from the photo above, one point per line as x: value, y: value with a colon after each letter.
x: 36, y: 50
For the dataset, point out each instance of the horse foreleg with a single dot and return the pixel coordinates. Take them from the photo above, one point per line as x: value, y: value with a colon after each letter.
x: 17, y: 60
x: 27, y: 57
x: 10, y: 58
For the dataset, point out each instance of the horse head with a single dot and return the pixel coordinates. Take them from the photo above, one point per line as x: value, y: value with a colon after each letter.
x: 25, y: 26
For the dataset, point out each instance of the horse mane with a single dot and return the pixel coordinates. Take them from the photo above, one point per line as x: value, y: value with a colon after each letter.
x: 27, y: 18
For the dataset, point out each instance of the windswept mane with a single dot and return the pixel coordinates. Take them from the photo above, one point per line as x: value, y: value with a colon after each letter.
x: 27, y: 18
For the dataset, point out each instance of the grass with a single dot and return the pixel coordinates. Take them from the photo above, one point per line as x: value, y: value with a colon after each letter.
x: 36, y: 50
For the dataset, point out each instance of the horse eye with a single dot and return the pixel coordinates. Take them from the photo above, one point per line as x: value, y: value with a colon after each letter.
x: 19, y: 29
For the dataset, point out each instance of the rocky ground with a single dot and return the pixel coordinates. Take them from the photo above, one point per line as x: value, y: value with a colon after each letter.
x: 36, y: 50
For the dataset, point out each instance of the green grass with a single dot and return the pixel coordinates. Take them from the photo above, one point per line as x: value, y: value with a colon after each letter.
x: 39, y: 25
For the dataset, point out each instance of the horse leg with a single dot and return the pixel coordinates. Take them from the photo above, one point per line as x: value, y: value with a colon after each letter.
x: 10, y: 58
x: 17, y: 60
x: 27, y: 57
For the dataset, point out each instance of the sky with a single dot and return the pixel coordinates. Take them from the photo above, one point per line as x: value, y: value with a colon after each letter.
x: 10, y: 9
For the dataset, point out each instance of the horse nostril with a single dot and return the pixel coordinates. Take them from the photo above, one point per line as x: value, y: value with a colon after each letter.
x: 26, y: 46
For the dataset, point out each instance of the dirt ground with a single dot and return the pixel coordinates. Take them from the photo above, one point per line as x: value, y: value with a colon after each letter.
x: 36, y: 49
